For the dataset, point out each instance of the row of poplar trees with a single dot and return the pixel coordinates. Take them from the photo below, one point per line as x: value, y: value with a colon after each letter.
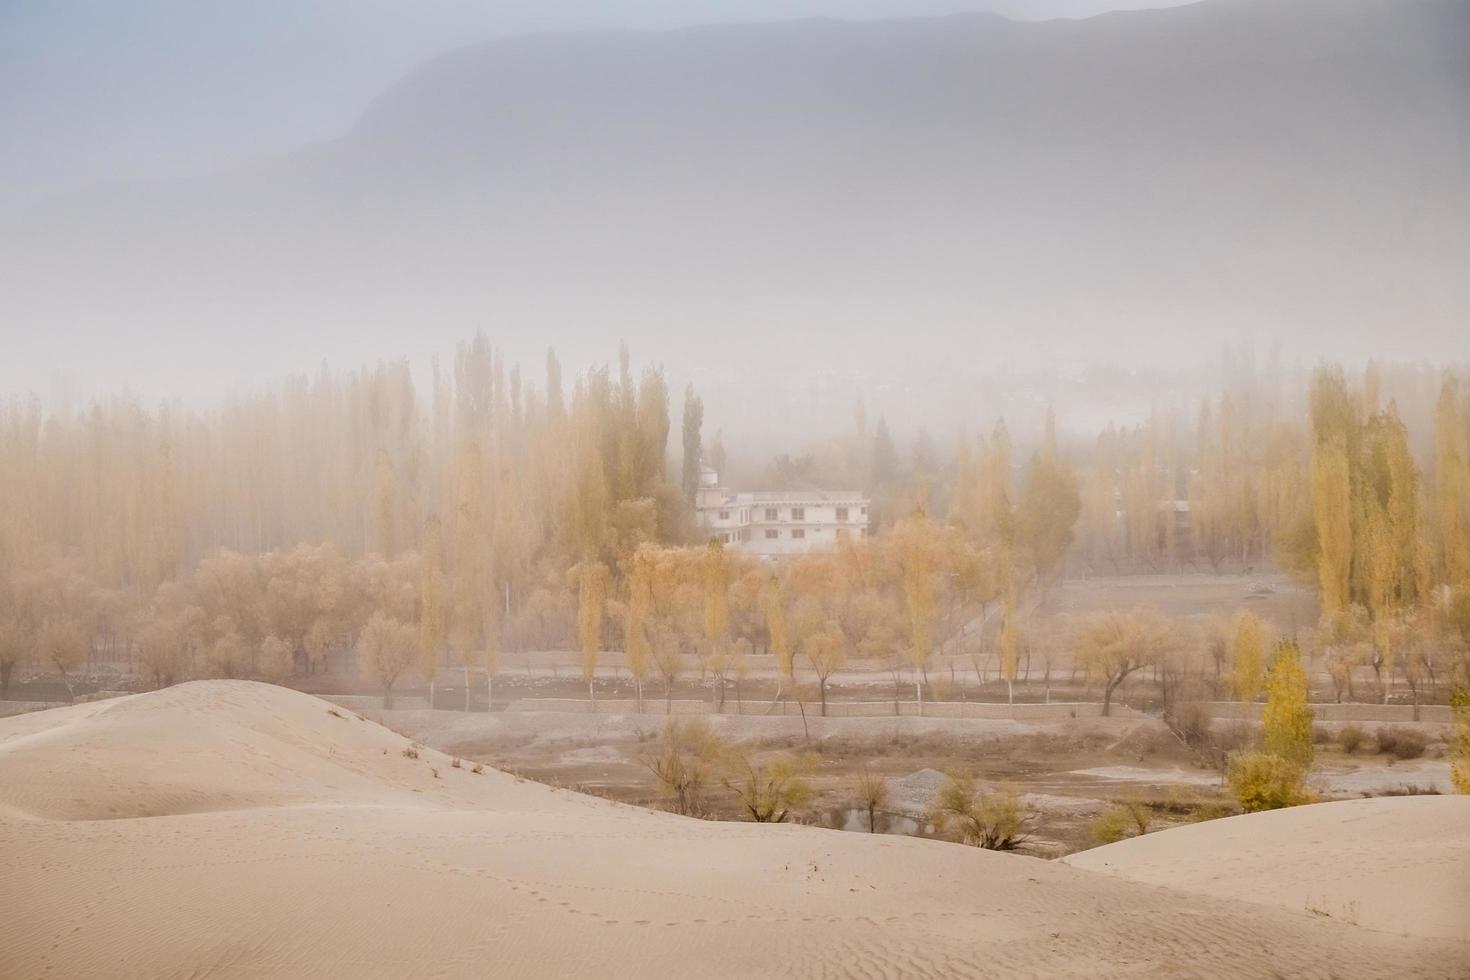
x: 197, y: 541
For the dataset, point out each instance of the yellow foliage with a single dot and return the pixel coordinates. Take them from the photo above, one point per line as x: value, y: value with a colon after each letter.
x: 1247, y: 654
x: 1286, y: 722
x: 1262, y: 781
x: 1460, y: 753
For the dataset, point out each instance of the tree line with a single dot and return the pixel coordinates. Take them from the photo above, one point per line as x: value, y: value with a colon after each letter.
x: 351, y: 520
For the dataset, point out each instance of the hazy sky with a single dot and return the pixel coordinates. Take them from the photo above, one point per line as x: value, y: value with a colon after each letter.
x: 947, y: 197
x: 95, y: 90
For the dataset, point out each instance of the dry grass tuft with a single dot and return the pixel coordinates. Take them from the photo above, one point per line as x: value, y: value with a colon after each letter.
x: 1351, y: 737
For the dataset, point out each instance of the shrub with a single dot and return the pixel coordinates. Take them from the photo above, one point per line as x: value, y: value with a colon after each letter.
x: 1225, y: 741
x: 1261, y: 781
x: 1128, y: 819
x: 479, y: 769
x: 455, y: 763
x: 1209, y: 811
x: 1351, y: 737
x: 1402, y: 742
x: 1114, y: 825
x: 1406, y: 789
x: 994, y: 821
x: 1460, y: 747
x: 412, y: 752
x: 683, y: 763
x: 769, y: 792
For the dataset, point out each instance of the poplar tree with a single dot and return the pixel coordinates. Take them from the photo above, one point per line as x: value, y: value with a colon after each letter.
x: 693, y: 421
x: 1286, y: 720
x: 636, y: 619
x: 384, y: 539
x: 432, y: 611
x: 1048, y: 511
x: 715, y: 581
x: 1247, y: 657
x: 1332, y: 510
x: 885, y: 456
x: 774, y: 609
x: 591, y: 576
x: 1452, y: 482
x: 13, y: 645
x: 920, y: 558
x: 1009, y: 651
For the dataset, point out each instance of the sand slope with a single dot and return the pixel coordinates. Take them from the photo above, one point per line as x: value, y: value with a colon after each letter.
x: 232, y: 829
x: 1397, y: 864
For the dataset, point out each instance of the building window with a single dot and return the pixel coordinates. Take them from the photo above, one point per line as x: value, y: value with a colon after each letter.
x: 865, y: 512
x: 842, y: 513
x: 798, y: 533
x: 772, y: 513
x: 725, y: 538
x: 798, y: 513
x: 772, y: 533
x: 724, y: 515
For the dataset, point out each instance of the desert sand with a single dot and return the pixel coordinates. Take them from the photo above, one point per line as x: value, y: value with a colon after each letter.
x: 1393, y: 864
x: 234, y: 829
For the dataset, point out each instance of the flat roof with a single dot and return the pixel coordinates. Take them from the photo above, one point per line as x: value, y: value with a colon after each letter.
x: 794, y: 497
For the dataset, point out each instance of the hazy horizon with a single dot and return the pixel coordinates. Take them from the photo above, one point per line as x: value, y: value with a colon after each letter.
x: 95, y: 93
x: 1139, y: 210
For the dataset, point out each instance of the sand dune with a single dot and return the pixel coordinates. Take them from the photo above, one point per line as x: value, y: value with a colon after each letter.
x: 232, y: 829
x: 1397, y: 864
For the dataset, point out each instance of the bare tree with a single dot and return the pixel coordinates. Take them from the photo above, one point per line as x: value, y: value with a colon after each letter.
x: 872, y: 796
x: 63, y: 645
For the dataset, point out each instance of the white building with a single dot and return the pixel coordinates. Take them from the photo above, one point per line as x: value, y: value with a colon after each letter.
x: 779, y: 522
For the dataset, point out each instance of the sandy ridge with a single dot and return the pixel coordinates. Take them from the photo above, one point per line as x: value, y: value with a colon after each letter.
x: 234, y: 829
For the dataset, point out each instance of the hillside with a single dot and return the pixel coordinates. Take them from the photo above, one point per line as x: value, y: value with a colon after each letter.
x: 233, y: 829
x: 981, y: 187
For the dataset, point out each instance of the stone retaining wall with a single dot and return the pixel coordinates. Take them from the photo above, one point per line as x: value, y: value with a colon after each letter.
x: 1371, y: 713
x: 835, y: 709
